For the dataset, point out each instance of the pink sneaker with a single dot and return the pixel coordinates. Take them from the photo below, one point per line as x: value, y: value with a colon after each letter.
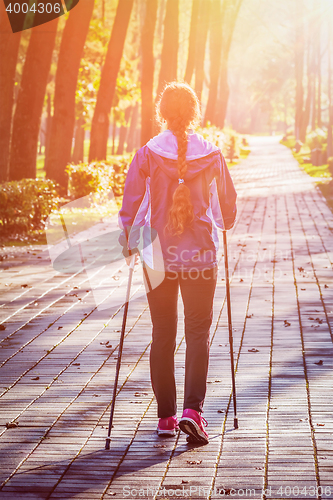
x: 167, y: 426
x: 192, y: 423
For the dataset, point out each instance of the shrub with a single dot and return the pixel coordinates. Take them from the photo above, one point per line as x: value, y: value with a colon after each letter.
x: 99, y: 178
x: 330, y: 165
x: 316, y: 139
x: 227, y: 140
x: 26, y: 204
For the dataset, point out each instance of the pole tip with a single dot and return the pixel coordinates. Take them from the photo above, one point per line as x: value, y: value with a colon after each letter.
x: 107, y: 443
x: 236, y: 423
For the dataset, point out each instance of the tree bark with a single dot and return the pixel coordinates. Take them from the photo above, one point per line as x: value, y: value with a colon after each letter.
x: 307, y: 109
x: 201, y: 41
x: 9, y: 45
x: 169, y: 55
x: 329, y: 86
x: 63, y: 121
x: 100, y: 121
x: 230, y: 14
x: 192, y: 42
x: 319, y: 124
x: 30, y: 101
x: 123, y: 131
x: 78, y: 151
x: 132, y: 130
x: 299, y: 66
x: 48, y: 127
x: 215, y: 47
x: 147, y: 73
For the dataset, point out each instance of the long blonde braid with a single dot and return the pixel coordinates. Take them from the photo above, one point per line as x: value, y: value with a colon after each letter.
x: 179, y: 105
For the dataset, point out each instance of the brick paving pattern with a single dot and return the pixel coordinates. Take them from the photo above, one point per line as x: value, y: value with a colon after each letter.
x: 58, y: 355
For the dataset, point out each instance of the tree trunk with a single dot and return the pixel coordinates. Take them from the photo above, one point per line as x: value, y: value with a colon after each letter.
x: 169, y: 55
x: 78, y: 151
x: 192, y: 39
x: 306, y: 114
x: 123, y: 131
x: 329, y: 87
x: 215, y: 46
x: 48, y: 128
x: 319, y: 124
x: 224, y: 92
x: 299, y: 66
x: 229, y: 17
x: 147, y: 74
x: 314, y: 93
x: 132, y: 130
x: 63, y: 121
x: 9, y: 45
x: 200, y: 48
x: 161, y: 12
x: 30, y: 101
x: 100, y: 121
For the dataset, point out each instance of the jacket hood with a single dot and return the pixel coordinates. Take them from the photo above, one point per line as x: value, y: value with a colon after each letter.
x: 200, y: 153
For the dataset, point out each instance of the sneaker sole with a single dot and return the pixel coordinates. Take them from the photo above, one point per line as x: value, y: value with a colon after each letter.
x: 191, y: 428
x: 170, y: 432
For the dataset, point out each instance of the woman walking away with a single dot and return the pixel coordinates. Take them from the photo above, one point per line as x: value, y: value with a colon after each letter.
x: 178, y: 185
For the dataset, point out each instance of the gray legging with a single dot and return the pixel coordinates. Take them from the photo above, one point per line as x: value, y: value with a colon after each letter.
x: 197, y: 290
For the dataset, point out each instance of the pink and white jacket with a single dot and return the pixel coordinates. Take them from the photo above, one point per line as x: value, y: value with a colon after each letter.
x: 151, y: 181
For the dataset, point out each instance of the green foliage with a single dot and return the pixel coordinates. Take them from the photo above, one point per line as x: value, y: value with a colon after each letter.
x: 232, y: 144
x: 98, y: 178
x: 214, y: 134
x: 330, y: 165
x: 317, y: 139
x: 127, y: 89
x: 26, y: 204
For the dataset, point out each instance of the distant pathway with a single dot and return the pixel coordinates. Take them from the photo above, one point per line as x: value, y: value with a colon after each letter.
x: 57, y: 363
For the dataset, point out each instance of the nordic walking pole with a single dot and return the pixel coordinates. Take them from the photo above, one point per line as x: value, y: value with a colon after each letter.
x: 120, y: 350
x: 226, y: 266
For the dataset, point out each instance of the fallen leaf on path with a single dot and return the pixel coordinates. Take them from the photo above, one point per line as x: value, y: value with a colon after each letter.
x: 286, y: 323
x: 35, y: 378
x: 194, y: 462
x: 184, y: 481
x: 220, y: 411
x: 301, y: 269
x: 2, y: 327
x: 159, y: 446
x: 253, y: 350
x: 326, y: 286
x: 319, y: 363
x: 76, y: 364
x: 24, y: 286
x: 11, y: 425
x: 321, y: 425
x: 60, y: 327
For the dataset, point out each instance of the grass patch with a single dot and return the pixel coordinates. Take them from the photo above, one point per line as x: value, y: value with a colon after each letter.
x: 320, y: 172
x: 76, y: 220
x: 242, y: 156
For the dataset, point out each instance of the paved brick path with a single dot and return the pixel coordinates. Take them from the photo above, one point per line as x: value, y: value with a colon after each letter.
x: 57, y: 364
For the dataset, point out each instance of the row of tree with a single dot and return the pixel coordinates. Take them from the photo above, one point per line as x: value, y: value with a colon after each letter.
x: 210, y: 32
x: 313, y: 45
